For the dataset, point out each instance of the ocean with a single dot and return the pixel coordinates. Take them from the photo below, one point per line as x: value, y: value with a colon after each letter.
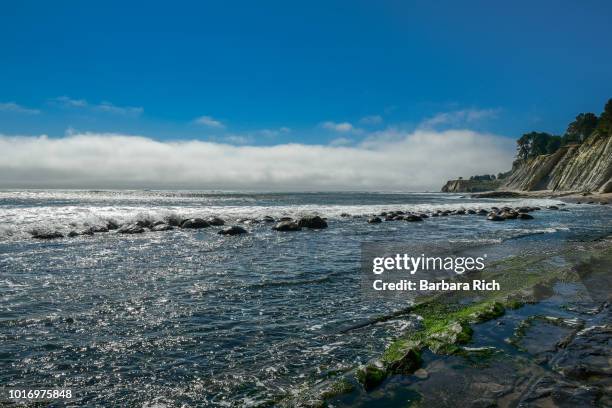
x: 191, y: 317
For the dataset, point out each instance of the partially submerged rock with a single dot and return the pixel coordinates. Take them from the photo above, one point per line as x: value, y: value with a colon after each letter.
x: 588, y: 355
x: 98, y: 228
x: 42, y: 234
x: 495, y: 217
x: 87, y: 231
x: 131, y: 229
x: 509, y: 215
x: 412, y: 218
x: 374, y: 220
x: 195, y: 223
x: 487, y: 312
x: 445, y: 341
x: 404, y: 358
x: 287, y: 226
x: 371, y: 375
x: 146, y: 223
x: 216, y: 221
x: 174, y: 220
x: 550, y: 391
x: 162, y: 227
x: 233, y: 230
x: 313, y: 222
x: 112, y: 225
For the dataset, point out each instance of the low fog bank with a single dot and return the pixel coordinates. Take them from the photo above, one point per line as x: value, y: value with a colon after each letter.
x: 389, y: 161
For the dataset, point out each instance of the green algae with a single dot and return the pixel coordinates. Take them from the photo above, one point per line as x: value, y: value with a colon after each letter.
x: 371, y: 375
x: 447, y: 317
x: 338, y: 387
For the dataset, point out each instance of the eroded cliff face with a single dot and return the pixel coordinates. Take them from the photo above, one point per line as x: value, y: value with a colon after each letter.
x: 585, y: 167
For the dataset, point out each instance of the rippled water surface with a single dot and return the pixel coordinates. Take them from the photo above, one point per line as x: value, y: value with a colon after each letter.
x: 192, y: 317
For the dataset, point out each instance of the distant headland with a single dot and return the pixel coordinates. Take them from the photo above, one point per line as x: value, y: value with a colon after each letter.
x: 577, y: 162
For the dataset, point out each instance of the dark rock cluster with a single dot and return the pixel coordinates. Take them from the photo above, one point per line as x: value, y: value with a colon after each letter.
x: 285, y: 223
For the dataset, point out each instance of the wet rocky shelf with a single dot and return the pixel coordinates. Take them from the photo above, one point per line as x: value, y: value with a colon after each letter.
x: 545, y: 342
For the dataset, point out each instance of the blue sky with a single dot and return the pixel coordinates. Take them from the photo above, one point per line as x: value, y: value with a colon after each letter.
x: 266, y: 73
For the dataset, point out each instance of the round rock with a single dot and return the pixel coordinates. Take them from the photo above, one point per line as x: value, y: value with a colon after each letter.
x: 233, y: 230
x: 287, y: 226
x: 313, y: 222
x: 47, y: 234
x: 495, y: 217
x: 195, y: 223
x: 162, y: 227
x: 130, y: 229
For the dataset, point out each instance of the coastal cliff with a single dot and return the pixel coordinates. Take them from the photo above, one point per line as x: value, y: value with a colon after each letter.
x: 470, y: 186
x: 572, y: 168
x: 584, y: 167
x: 579, y: 161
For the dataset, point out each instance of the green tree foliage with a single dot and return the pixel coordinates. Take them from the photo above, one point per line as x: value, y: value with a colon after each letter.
x: 581, y: 128
x: 536, y: 143
x: 553, y: 144
x: 484, y: 177
x: 523, y: 146
x: 533, y: 144
x: 604, y: 125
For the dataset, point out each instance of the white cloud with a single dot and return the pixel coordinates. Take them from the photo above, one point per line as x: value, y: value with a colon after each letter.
x: 107, y: 107
x: 387, y: 136
x: 422, y: 160
x: 16, y: 108
x: 120, y: 110
x: 69, y: 102
x: 274, y: 132
x: 459, y: 117
x: 238, y: 139
x: 338, y: 127
x: 341, y: 141
x: 210, y: 122
x: 371, y: 120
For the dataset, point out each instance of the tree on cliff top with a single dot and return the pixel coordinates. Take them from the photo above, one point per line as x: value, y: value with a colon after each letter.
x: 604, y: 126
x: 581, y: 128
x: 533, y: 144
x: 536, y: 143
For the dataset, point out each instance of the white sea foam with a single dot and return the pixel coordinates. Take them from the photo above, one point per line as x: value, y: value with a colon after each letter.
x: 67, y: 210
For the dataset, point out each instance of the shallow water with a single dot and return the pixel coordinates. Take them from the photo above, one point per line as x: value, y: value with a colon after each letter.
x: 191, y: 317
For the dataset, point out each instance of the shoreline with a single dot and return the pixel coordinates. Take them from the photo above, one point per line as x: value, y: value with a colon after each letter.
x: 456, y: 339
x: 573, y: 197
x: 452, y: 326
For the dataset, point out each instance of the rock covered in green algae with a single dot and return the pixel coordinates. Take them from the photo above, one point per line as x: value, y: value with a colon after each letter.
x: 339, y: 387
x: 404, y: 357
x: 488, y: 312
x: 317, y: 396
x: 371, y: 375
x: 445, y: 341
